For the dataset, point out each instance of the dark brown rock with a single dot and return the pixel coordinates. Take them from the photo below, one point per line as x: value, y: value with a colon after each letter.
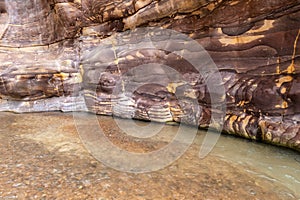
x: 61, y: 49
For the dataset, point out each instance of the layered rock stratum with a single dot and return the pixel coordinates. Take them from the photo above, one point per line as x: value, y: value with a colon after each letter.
x: 97, y: 56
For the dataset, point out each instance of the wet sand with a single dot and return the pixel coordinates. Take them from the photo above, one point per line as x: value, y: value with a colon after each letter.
x: 42, y: 157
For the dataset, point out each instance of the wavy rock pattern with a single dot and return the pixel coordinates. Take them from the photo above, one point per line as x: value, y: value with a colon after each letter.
x: 50, y: 60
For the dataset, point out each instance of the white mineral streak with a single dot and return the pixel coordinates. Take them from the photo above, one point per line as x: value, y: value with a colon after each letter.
x: 65, y: 104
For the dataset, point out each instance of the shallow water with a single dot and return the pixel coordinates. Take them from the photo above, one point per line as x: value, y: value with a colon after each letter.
x: 279, y: 165
x: 42, y: 157
x: 276, y: 164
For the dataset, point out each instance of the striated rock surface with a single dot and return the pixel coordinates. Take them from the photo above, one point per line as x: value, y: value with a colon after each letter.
x: 101, y: 56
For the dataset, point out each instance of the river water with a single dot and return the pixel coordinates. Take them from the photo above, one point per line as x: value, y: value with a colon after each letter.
x: 260, y: 160
x: 43, y: 157
x: 280, y: 166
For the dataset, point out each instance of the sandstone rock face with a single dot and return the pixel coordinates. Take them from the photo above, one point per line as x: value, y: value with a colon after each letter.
x: 104, y: 57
